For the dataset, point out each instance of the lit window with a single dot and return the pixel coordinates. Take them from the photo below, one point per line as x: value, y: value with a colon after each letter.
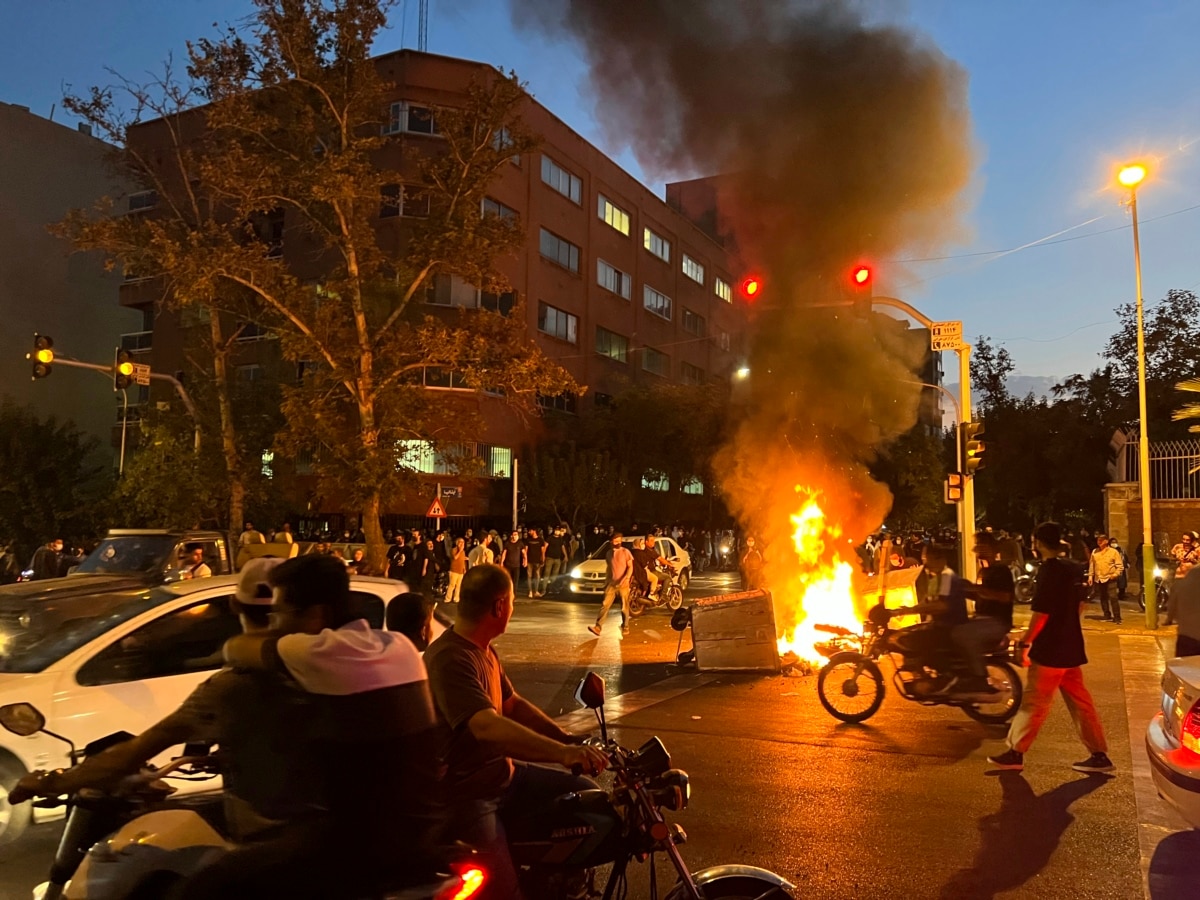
x: 613, y: 279
x: 656, y: 481
x: 658, y: 303
x: 657, y: 244
x: 723, y: 290
x: 613, y: 345
x: 693, y: 269
x: 561, y: 180
x: 693, y: 485
x: 267, y: 464
x: 557, y: 323
x: 689, y: 374
x: 559, y: 250
x: 411, y: 118
x: 693, y: 323
x: 656, y: 363
x: 613, y: 215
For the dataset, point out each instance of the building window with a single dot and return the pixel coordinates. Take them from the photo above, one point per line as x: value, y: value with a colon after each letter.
x: 693, y: 269
x: 249, y: 374
x: 656, y: 363
x: 693, y: 485
x: 498, y: 303
x: 613, y: 279
x: 656, y: 481
x: 561, y: 180
x: 403, y: 200
x: 502, y: 141
x: 249, y: 331
x: 723, y: 290
x: 657, y: 244
x: 490, y: 207
x: 559, y: 250
x: 431, y: 459
x: 567, y: 403
x: 143, y: 200
x: 689, y: 374
x: 451, y: 290
x: 411, y: 118
x: 613, y: 345
x: 557, y: 323
x: 267, y: 464
x: 613, y: 215
x: 657, y: 303
x: 693, y: 323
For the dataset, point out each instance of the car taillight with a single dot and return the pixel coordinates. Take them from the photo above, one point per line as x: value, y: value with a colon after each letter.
x: 1189, y: 733
x: 471, y: 879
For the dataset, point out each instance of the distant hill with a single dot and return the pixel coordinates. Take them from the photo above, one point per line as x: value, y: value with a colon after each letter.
x: 1020, y: 385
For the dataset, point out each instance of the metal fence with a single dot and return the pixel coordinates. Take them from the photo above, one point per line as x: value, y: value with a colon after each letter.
x: 1174, y: 468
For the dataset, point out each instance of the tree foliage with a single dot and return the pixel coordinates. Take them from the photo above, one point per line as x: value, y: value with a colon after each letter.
x: 581, y: 486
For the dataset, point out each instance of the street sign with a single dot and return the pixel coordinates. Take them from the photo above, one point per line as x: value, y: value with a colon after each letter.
x: 451, y: 491
x: 141, y: 374
x: 945, y: 336
x: 436, y: 510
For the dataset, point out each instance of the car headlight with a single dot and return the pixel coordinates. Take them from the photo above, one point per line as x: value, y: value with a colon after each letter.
x: 577, y: 572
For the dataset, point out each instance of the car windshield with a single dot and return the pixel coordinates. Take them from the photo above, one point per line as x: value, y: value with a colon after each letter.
x: 129, y: 555
x: 603, y: 551
x: 32, y: 639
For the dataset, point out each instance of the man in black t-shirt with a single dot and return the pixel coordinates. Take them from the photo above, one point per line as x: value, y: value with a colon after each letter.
x: 397, y: 556
x: 993, y: 612
x: 556, y: 554
x: 1054, y: 652
x: 512, y: 556
x: 535, y: 558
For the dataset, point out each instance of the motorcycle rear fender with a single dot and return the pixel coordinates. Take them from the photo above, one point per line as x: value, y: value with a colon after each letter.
x: 716, y: 874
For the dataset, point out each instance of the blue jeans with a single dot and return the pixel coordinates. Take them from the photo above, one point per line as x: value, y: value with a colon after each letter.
x: 481, y: 823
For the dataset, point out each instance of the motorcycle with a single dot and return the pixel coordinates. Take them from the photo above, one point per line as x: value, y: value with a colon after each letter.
x: 593, y: 828
x: 1025, y: 580
x: 125, y: 842
x: 851, y: 686
x: 669, y: 594
x: 1163, y: 577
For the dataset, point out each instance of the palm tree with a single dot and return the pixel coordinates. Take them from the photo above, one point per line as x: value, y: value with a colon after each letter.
x: 1189, y: 410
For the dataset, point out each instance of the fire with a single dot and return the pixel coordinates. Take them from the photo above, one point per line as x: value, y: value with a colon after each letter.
x: 820, y: 589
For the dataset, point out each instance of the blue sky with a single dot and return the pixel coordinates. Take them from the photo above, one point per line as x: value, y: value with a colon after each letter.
x: 1060, y: 91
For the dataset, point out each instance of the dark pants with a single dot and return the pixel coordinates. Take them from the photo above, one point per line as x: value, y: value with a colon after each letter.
x: 481, y: 823
x: 515, y: 575
x: 1104, y: 590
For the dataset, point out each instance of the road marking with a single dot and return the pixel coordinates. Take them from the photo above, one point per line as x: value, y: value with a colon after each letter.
x: 634, y: 701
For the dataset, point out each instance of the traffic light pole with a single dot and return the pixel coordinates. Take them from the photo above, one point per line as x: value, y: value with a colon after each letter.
x: 156, y: 376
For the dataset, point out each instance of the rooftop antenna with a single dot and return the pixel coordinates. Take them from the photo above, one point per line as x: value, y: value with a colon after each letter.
x: 423, y: 26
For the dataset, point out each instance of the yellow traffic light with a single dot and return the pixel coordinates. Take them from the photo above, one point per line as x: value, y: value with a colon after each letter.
x: 42, y: 355
x: 122, y: 370
x: 973, y: 446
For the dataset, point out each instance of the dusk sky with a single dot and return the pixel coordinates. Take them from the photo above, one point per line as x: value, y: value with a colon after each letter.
x: 1060, y: 92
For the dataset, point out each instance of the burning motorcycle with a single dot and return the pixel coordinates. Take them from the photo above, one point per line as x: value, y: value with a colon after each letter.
x: 126, y: 842
x: 851, y: 685
x: 623, y: 824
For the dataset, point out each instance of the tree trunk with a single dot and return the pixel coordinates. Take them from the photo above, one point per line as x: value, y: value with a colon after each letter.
x: 229, y: 447
x: 376, y: 550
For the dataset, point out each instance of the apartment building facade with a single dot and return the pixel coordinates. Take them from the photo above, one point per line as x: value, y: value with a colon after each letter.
x: 617, y: 286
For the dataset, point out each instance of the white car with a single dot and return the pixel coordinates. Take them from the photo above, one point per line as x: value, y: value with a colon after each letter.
x: 1173, y: 739
x: 101, y: 664
x: 589, y: 576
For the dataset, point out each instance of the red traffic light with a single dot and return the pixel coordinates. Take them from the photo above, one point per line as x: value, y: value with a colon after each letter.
x: 861, y: 275
x: 751, y: 287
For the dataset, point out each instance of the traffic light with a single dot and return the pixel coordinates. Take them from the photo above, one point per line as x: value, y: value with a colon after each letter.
x: 860, y: 276
x: 751, y: 287
x: 42, y: 355
x: 122, y: 370
x: 973, y: 446
x: 954, y: 488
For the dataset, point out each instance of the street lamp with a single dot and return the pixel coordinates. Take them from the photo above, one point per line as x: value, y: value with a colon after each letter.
x: 1130, y: 177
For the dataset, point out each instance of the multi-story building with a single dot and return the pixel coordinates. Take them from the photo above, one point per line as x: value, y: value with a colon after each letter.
x: 46, y: 170
x: 618, y: 286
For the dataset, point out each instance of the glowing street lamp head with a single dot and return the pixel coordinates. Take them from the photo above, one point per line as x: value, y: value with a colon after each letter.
x: 1132, y: 175
x: 743, y: 372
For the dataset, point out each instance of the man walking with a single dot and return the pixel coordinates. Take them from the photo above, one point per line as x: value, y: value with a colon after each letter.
x: 1104, y: 570
x: 620, y: 572
x: 535, y: 558
x: 1054, y: 651
x: 556, y: 555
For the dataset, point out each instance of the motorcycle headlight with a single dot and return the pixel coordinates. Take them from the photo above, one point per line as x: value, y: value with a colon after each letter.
x: 1028, y: 567
x: 672, y: 789
x: 577, y: 572
x: 1158, y: 573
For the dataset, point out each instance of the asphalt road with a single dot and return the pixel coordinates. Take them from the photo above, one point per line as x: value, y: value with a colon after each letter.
x: 903, y: 806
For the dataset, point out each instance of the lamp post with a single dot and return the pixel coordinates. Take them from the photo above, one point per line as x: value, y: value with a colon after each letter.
x: 1130, y: 177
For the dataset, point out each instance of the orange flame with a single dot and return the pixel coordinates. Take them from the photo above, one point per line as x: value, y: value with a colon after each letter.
x: 820, y: 590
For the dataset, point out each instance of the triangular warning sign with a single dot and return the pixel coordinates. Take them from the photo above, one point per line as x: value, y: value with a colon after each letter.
x: 436, y: 510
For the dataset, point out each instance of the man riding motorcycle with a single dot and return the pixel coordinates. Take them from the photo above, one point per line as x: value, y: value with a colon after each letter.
x: 994, y: 596
x: 491, y: 736
x: 659, y: 570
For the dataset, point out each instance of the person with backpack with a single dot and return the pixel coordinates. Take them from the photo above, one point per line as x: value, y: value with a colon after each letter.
x: 1053, y: 649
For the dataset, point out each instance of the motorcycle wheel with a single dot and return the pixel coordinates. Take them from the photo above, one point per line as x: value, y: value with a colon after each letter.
x: 13, y: 819
x: 741, y: 887
x: 685, y: 579
x: 1024, y: 589
x: 845, y: 695
x: 637, y: 605
x: 674, y: 597
x: 1004, y: 677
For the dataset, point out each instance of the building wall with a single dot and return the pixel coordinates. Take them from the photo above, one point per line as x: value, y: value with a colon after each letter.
x: 47, y: 169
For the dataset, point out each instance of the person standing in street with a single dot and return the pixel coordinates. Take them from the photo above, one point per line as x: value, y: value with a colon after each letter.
x: 751, y: 566
x: 250, y: 535
x: 481, y: 554
x: 556, y: 555
x: 512, y: 557
x: 1104, y: 569
x: 620, y: 573
x: 458, y: 568
x: 45, y: 560
x: 1054, y: 651
x: 535, y: 556
x: 397, y: 557
x: 284, y: 535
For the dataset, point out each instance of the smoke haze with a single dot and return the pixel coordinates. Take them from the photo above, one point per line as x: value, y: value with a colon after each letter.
x: 840, y: 139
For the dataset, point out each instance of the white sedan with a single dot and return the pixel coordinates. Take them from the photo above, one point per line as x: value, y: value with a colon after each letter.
x: 1173, y: 739
x: 119, y: 665
x: 589, y: 576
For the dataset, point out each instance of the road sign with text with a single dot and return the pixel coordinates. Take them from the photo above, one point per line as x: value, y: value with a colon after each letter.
x: 945, y: 336
x: 141, y: 374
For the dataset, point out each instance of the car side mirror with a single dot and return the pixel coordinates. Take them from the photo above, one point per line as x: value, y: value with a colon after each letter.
x: 22, y: 719
x: 590, y: 692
